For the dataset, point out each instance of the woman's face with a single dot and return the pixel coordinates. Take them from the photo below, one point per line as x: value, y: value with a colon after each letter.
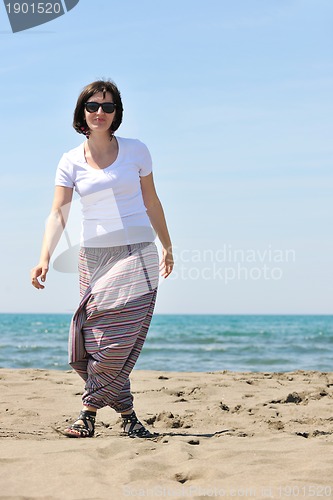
x: 99, y: 121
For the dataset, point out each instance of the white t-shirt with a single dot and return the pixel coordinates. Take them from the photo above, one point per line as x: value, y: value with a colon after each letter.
x: 113, y: 211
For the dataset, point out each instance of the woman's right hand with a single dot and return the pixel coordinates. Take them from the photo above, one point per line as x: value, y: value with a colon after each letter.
x: 39, y: 271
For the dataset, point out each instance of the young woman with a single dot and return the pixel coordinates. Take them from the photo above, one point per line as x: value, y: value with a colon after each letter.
x: 118, y: 260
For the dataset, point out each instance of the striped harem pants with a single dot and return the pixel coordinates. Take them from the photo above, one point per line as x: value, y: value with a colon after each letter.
x: 118, y: 287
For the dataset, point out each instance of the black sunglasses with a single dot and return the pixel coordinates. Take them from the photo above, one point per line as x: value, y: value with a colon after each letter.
x: 107, y: 107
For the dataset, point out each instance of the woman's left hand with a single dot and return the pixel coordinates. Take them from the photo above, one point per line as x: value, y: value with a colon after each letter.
x: 166, y: 264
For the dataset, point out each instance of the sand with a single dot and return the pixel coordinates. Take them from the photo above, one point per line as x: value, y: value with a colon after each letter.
x: 221, y: 435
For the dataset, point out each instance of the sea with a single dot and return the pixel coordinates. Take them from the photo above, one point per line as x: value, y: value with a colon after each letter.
x: 185, y: 342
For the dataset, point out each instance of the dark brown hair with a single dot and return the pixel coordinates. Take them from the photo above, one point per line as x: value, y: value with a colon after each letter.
x: 79, y: 122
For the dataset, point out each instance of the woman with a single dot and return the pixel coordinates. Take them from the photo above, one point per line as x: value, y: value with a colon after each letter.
x: 118, y: 261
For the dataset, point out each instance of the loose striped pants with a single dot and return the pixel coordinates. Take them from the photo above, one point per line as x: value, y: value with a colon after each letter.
x: 118, y: 289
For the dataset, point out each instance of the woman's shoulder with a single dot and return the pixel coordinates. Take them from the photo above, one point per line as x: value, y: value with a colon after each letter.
x: 137, y: 152
x: 75, y: 154
x: 131, y: 143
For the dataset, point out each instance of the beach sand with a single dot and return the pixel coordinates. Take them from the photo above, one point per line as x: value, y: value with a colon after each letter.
x: 222, y: 435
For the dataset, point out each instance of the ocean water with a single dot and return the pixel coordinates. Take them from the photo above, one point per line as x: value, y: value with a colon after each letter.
x: 184, y: 342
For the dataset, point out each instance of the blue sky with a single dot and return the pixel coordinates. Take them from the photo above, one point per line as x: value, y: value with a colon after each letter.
x: 233, y: 99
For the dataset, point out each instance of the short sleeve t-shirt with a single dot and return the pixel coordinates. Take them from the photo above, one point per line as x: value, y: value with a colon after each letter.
x: 113, y: 211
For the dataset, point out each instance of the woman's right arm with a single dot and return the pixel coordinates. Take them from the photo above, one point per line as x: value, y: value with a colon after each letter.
x: 55, y: 225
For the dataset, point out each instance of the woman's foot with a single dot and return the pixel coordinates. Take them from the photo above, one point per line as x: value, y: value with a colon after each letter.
x: 134, y: 428
x: 83, y: 427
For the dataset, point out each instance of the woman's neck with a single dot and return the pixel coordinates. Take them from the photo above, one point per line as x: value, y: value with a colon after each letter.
x: 100, y: 142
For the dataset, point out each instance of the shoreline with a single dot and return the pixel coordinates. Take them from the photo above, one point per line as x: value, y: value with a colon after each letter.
x: 223, y: 430
x: 179, y: 372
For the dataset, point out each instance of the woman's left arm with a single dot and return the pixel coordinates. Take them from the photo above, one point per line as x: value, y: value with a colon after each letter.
x: 156, y: 216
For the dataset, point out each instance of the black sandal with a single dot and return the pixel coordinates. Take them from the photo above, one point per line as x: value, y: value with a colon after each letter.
x: 130, y: 427
x: 87, y: 429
